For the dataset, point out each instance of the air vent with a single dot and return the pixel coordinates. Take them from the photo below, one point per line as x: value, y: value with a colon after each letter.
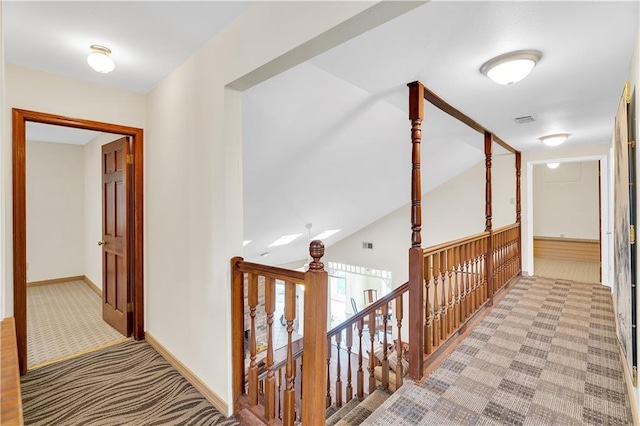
x: 367, y: 246
x: 524, y: 119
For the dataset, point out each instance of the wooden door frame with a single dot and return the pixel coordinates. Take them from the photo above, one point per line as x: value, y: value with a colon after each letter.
x: 20, y: 118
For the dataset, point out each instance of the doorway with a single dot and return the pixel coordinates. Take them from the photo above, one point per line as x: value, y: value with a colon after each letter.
x: 134, y: 244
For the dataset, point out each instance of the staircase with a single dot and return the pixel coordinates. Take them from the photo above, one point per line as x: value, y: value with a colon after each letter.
x: 357, y: 410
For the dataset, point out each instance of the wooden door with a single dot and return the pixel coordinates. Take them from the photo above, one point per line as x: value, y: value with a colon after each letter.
x: 115, y: 235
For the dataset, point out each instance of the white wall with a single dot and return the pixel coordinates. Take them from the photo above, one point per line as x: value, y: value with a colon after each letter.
x: 566, y: 201
x: 55, y: 211
x: 453, y: 210
x: 92, y: 154
x: 44, y: 92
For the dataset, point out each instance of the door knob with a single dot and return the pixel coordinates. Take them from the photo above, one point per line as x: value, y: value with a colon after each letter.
x: 101, y: 243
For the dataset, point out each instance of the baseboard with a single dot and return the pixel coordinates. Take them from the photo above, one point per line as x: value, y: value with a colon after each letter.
x: 92, y: 286
x: 210, y: 395
x: 630, y: 388
x: 54, y: 281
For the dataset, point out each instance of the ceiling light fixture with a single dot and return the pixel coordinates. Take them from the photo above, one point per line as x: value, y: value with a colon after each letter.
x: 553, y: 165
x: 100, y: 59
x: 285, y: 239
x: 511, y: 67
x: 326, y: 234
x: 554, y: 140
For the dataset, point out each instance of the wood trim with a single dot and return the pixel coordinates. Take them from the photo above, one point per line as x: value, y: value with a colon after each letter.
x: 566, y: 248
x: 11, y: 401
x: 269, y: 271
x: 195, y: 381
x: 20, y: 118
x: 441, y: 104
x: 97, y: 290
x: 55, y: 281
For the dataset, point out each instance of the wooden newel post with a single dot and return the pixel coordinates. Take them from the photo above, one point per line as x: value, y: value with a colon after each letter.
x: 237, y: 328
x: 488, y: 153
x: 314, y: 375
x: 519, y: 206
x: 416, y: 270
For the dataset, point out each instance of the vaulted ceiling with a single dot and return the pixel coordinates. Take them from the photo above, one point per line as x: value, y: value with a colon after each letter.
x: 327, y: 142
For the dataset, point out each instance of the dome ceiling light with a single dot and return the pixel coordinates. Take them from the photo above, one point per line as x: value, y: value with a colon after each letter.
x: 554, y: 140
x: 511, y: 67
x: 100, y: 59
x: 553, y: 165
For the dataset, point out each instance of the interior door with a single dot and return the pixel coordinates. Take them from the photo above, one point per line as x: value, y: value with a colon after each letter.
x: 115, y: 235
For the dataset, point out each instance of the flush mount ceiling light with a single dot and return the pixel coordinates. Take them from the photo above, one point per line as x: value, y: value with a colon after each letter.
x: 100, y: 59
x: 553, y: 165
x: 554, y: 140
x: 511, y: 67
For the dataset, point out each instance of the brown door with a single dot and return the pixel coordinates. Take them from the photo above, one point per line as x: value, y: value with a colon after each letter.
x: 115, y: 235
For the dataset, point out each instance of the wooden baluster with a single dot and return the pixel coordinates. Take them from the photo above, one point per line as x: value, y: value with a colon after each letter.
x: 253, y: 366
x: 398, y: 312
x: 328, y: 395
x: 443, y: 290
x: 456, y: 284
x: 436, y: 306
x: 464, y: 272
x: 428, y: 311
x: 385, y: 361
x: 481, y: 249
x: 479, y: 290
x: 338, y: 371
x: 360, y: 372
x: 280, y: 393
x: 299, y: 401
x: 476, y: 278
x: 372, y: 358
x: 270, y: 384
x: 349, y: 346
x: 290, y: 316
x: 450, y: 319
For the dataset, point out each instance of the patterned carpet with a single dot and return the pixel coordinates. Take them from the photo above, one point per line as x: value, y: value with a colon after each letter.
x: 547, y: 354
x: 125, y: 384
x: 64, y: 319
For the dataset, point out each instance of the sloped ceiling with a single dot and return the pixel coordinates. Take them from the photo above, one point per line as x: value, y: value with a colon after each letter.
x: 328, y: 142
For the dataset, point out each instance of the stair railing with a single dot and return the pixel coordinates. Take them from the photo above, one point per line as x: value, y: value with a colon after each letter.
x: 258, y: 380
x: 358, y: 334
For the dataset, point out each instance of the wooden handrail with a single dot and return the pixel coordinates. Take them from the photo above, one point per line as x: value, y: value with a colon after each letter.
x: 270, y: 271
x: 505, y: 228
x: 388, y: 298
x: 454, y: 243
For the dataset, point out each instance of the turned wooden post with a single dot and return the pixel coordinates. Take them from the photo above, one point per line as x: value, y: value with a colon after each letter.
x: 416, y: 270
x: 237, y: 326
x: 315, y: 338
x: 488, y: 152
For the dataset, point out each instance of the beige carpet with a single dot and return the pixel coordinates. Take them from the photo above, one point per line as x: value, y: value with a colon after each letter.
x: 574, y: 270
x: 63, y: 320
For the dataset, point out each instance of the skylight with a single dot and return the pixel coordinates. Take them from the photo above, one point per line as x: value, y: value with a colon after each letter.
x: 285, y: 239
x: 245, y: 242
x: 326, y: 234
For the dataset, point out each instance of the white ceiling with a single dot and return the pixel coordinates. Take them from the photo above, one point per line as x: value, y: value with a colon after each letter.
x: 59, y: 134
x: 149, y: 39
x: 328, y: 142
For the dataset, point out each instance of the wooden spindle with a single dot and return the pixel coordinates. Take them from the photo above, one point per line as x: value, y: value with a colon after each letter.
x: 253, y: 366
x: 428, y: 326
x: 349, y: 389
x: 385, y: 346
x: 280, y: 393
x: 328, y: 395
x: 464, y: 253
x: 456, y: 284
x: 443, y: 304
x: 372, y: 357
x: 398, y: 311
x: 289, y: 316
x: 360, y: 372
x: 270, y: 383
x: 450, y: 308
x: 436, y: 306
x: 338, y: 371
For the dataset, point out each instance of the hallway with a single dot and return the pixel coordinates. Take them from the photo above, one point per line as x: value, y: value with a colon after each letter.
x: 547, y: 354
